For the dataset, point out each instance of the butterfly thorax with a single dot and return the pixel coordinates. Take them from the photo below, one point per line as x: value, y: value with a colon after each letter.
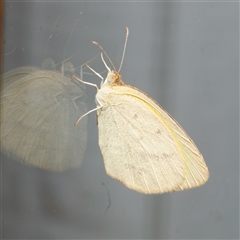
x: 114, y: 78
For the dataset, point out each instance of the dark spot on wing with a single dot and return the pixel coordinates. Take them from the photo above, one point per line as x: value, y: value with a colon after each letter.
x: 158, y: 131
x: 165, y: 155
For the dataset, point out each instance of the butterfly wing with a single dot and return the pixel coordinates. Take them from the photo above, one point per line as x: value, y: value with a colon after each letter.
x: 38, y: 111
x: 143, y: 146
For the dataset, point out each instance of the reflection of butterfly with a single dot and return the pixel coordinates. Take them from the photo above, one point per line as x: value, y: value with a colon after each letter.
x: 38, y: 111
x: 142, y: 145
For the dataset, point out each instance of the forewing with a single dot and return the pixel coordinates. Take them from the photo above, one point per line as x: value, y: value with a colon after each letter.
x: 137, y: 149
x: 144, y: 147
x: 196, y: 172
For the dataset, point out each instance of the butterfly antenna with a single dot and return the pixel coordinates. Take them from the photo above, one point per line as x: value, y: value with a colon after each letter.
x: 96, y: 43
x: 67, y: 59
x: 65, y: 50
x: 87, y: 62
x: 51, y: 34
x: 124, y: 49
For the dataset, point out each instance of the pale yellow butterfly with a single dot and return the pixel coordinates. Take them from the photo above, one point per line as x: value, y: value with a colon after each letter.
x: 38, y: 108
x: 142, y: 145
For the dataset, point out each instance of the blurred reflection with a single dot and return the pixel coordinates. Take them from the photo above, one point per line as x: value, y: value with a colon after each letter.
x: 39, y: 107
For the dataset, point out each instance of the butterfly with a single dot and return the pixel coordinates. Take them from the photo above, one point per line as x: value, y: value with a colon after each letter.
x: 142, y: 145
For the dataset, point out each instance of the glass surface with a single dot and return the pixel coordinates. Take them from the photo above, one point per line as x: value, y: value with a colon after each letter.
x: 183, y: 55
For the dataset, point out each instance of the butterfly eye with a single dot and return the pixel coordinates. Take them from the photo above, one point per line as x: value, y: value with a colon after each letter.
x: 114, y: 78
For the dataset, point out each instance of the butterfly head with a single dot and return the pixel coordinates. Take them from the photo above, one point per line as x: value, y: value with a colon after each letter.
x: 113, y: 78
